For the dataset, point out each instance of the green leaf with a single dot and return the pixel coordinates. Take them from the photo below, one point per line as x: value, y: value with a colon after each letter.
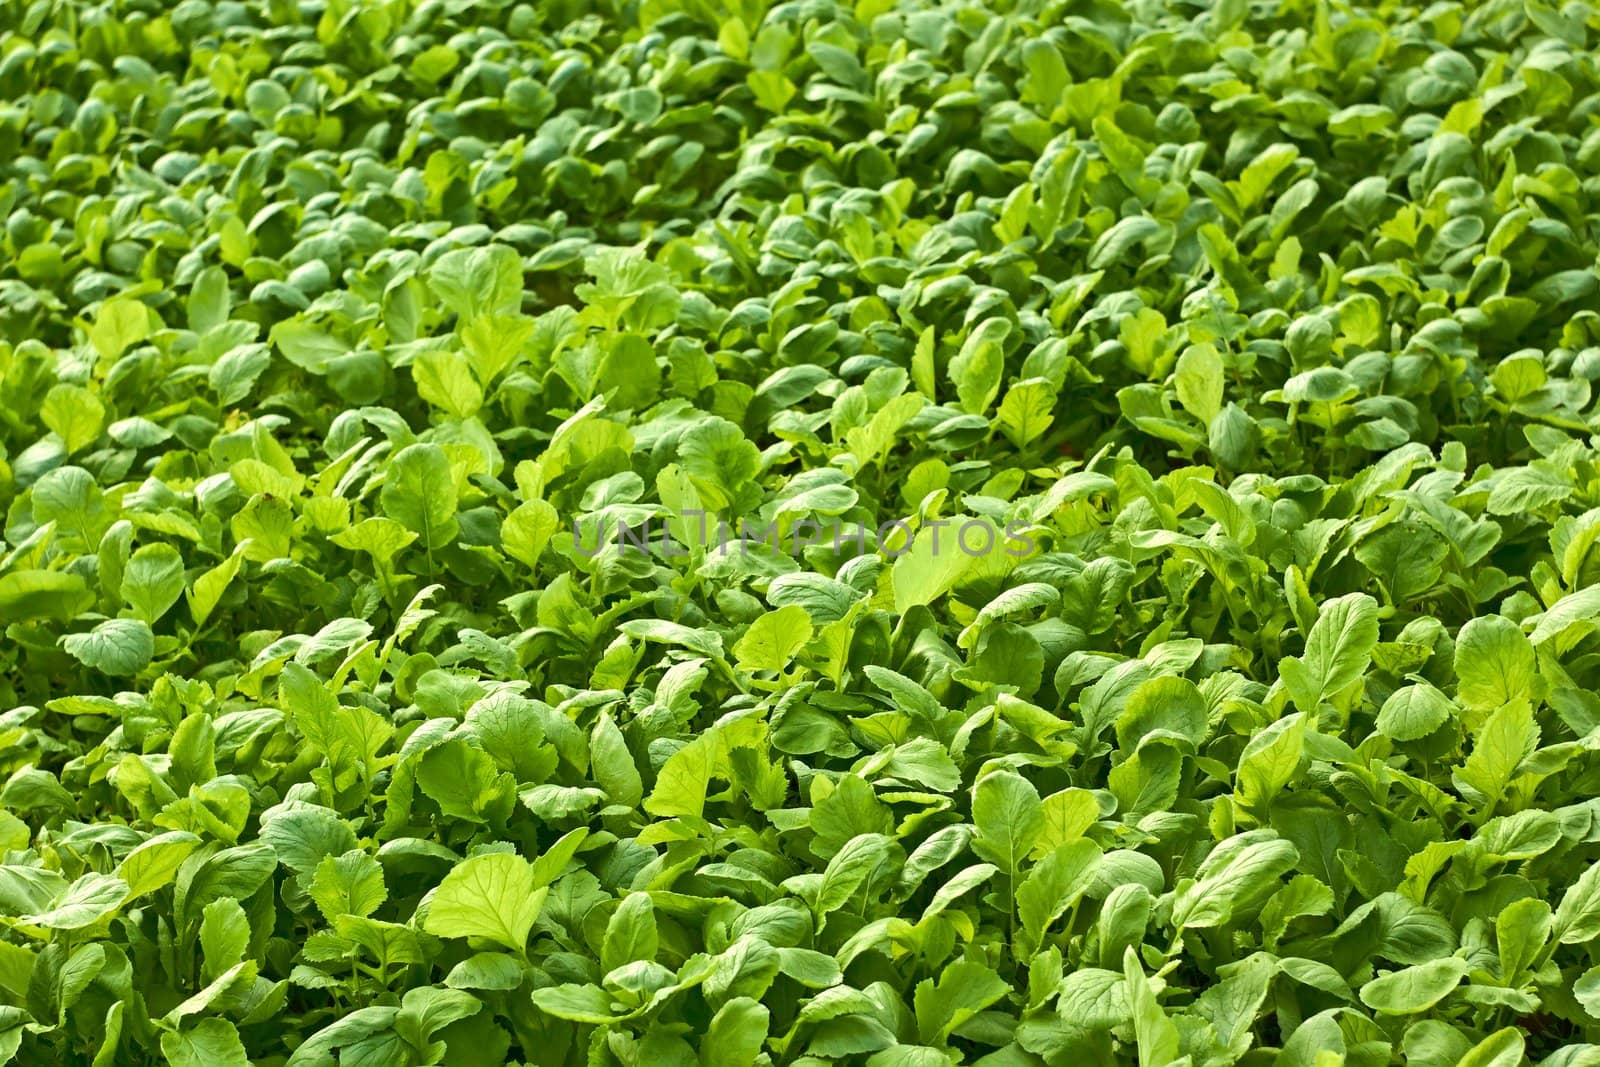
x: 445, y: 380
x: 1199, y: 382
x: 154, y: 863
x: 224, y: 936
x: 1155, y: 1034
x: 120, y: 324
x: 772, y: 641
x: 1508, y: 736
x: 681, y: 785
x: 486, y: 970
x: 1009, y: 818
x: 152, y: 581
x: 1494, y: 663
x: 86, y: 901
x: 73, y: 414
x: 528, y: 529
x: 1580, y: 607
x: 379, y: 537
x: 491, y: 896
x: 577, y: 1003
x: 301, y: 836
x: 118, y: 647
x: 1578, y: 916
x: 349, y: 884
x: 419, y: 493
x: 1413, y: 712
x: 1027, y: 411
x: 1238, y: 872
x: 736, y: 1034
x: 206, y: 592
x: 306, y: 346
x: 719, y: 461
x: 613, y: 765
x: 1415, y: 989
x: 1056, y: 883
x: 210, y: 1042
x: 474, y: 282
x: 631, y: 933
x: 848, y: 873
x: 977, y: 369
x: 963, y: 990
x: 39, y: 594
x: 235, y: 372
x: 464, y: 781
x: 1271, y: 760
x: 1503, y: 1048
x: 1338, y: 650
x: 932, y: 566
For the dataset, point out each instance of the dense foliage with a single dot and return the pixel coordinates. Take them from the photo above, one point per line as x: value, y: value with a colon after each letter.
x: 1256, y: 340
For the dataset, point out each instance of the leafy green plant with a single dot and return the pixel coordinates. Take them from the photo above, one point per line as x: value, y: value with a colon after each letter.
x: 1159, y: 623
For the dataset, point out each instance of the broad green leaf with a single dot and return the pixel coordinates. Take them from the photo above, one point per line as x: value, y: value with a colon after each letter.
x: 976, y: 370
x: 1009, y: 818
x: 1578, y: 916
x: 152, y: 581
x: 528, y: 529
x: 154, y: 863
x: 445, y: 380
x: 1574, y: 608
x: 491, y: 896
x: 473, y: 282
x: 1507, y: 737
x: 206, y: 592
x: 1494, y: 663
x: 486, y: 970
x: 577, y: 1003
x: 120, y: 324
x: 464, y: 781
x: 306, y: 346
x: 224, y: 936
x: 1027, y: 411
x: 736, y: 1034
x: 1243, y: 869
x: 848, y: 872
x: 87, y: 901
x: 1503, y: 1048
x: 1056, y: 883
x: 772, y: 641
x: 1337, y: 651
x: 1413, y: 712
x: 419, y: 492
x: 209, y: 1042
x: 118, y: 647
x: 303, y: 835
x: 1414, y: 989
x: 631, y: 934
x: 41, y: 594
x: 1271, y: 760
x: 73, y: 414
x: 349, y: 884
x: 1199, y: 382
x: 932, y: 565
x: 961, y: 992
